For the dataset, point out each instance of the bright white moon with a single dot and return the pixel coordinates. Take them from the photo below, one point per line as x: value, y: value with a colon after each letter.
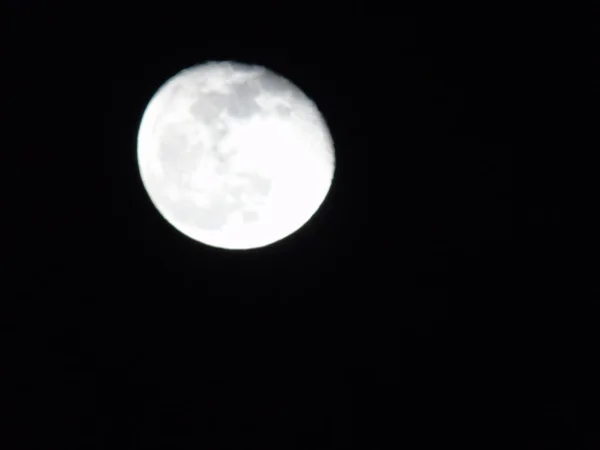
x: 234, y: 156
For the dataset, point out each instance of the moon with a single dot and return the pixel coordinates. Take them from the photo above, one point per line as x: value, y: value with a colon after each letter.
x: 233, y: 155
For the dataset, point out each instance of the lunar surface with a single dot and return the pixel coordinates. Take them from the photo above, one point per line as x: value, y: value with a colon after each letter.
x: 234, y: 156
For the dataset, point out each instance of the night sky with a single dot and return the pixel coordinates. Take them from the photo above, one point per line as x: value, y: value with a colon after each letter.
x: 405, y: 314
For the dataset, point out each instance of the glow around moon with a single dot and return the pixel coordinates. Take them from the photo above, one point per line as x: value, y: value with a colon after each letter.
x: 234, y: 156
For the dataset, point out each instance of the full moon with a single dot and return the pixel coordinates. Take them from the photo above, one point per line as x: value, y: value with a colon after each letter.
x: 234, y: 156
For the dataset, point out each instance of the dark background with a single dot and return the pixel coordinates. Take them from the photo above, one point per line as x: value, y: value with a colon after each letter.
x: 405, y: 314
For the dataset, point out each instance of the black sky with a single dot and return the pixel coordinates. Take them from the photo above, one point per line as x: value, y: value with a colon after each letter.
x: 403, y: 315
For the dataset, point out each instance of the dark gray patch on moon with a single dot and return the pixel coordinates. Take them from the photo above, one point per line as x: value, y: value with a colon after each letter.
x: 283, y: 110
x: 206, y: 109
x: 275, y: 85
x: 243, y: 103
x: 250, y: 216
x: 177, y: 156
x: 258, y: 186
x: 240, y: 103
